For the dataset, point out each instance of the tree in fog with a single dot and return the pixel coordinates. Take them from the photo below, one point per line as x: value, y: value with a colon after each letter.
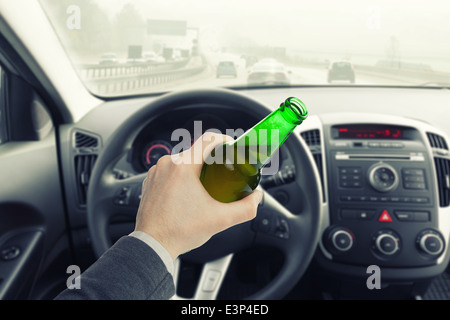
x: 393, y: 52
x: 129, y: 28
x: 94, y: 35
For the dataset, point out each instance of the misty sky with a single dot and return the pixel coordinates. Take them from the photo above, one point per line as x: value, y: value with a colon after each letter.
x: 421, y: 28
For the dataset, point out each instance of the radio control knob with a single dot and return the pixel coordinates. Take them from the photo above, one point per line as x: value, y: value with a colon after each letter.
x: 430, y: 242
x: 383, y: 177
x: 386, y: 243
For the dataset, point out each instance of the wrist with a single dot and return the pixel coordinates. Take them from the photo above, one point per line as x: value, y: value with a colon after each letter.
x: 160, y: 240
x: 154, y: 244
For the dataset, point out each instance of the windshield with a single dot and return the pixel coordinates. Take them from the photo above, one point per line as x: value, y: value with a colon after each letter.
x: 122, y: 47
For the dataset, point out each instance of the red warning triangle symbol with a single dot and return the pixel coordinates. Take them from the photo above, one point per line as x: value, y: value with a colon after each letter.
x: 385, y: 217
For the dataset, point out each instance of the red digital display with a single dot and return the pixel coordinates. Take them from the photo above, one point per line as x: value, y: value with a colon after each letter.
x: 369, y: 132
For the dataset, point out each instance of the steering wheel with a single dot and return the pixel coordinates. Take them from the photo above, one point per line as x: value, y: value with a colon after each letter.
x: 295, y: 234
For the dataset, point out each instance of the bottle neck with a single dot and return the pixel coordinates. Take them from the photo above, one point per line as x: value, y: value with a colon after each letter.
x: 264, y: 139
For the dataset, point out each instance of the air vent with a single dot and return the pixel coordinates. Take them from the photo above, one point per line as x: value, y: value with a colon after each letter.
x: 443, y: 178
x: 312, y: 139
x: 83, y: 169
x: 85, y: 141
x: 437, y: 141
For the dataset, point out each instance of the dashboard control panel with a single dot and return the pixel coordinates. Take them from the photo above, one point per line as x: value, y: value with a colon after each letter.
x: 381, y: 201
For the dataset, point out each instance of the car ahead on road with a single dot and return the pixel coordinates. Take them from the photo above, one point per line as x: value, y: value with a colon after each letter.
x: 152, y: 57
x: 108, y: 58
x: 341, y: 70
x: 226, y: 68
x: 268, y: 72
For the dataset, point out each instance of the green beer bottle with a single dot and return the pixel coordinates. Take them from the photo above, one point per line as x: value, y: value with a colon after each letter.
x: 233, y: 170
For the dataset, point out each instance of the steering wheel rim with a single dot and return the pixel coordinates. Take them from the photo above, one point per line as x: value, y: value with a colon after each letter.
x: 303, y: 228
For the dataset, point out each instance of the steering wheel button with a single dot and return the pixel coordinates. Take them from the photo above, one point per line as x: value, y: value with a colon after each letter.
x: 264, y: 225
x: 263, y: 222
x: 122, y: 197
x: 10, y: 253
x: 282, y: 229
x: 211, y: 280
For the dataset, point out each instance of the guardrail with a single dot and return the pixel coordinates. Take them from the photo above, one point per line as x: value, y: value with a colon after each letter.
x: 120, y: 78
x: 98, y: 71
x: 129, y: 83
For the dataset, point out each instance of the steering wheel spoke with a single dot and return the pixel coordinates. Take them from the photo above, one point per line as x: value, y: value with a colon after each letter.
x: 210, y: 281
x: 123, y: 195
x: 276, y: 226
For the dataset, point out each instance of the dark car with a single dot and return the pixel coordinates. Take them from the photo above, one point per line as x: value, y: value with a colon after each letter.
x: 341, y: 70
x: 226, y: 68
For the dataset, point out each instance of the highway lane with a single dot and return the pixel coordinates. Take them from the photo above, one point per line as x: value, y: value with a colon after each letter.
x: 305, y: 75
x: 298, y: 76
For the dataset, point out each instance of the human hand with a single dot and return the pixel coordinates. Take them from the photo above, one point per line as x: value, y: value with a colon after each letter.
x: 176, y: 209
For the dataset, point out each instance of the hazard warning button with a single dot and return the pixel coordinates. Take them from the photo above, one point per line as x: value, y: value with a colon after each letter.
x: 385, y: 217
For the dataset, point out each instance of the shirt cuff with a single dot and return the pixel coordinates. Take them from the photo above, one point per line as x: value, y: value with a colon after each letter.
x: 157, y: 247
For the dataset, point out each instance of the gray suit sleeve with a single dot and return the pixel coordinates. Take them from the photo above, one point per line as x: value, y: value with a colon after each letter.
x: 129, y: 270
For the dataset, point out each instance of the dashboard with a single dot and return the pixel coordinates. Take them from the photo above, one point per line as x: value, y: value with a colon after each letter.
x: 386, y: 182
x: 385, y: 175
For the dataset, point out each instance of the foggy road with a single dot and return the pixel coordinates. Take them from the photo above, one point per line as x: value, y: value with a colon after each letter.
x: 298, y: 76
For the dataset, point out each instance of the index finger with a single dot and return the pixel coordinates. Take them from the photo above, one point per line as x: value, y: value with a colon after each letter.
x: 201, y: 149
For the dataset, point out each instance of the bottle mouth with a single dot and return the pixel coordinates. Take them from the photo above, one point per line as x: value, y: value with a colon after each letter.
x: 297, y: 107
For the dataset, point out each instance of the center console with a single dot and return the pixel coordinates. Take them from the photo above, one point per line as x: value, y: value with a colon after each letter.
x: 382, y: 203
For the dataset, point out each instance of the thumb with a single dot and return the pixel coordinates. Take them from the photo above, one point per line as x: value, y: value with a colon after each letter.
x: 256, y: 196
x: 246, y: 208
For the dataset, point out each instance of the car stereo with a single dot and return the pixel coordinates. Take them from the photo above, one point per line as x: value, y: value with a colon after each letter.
x: 383, y: 209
